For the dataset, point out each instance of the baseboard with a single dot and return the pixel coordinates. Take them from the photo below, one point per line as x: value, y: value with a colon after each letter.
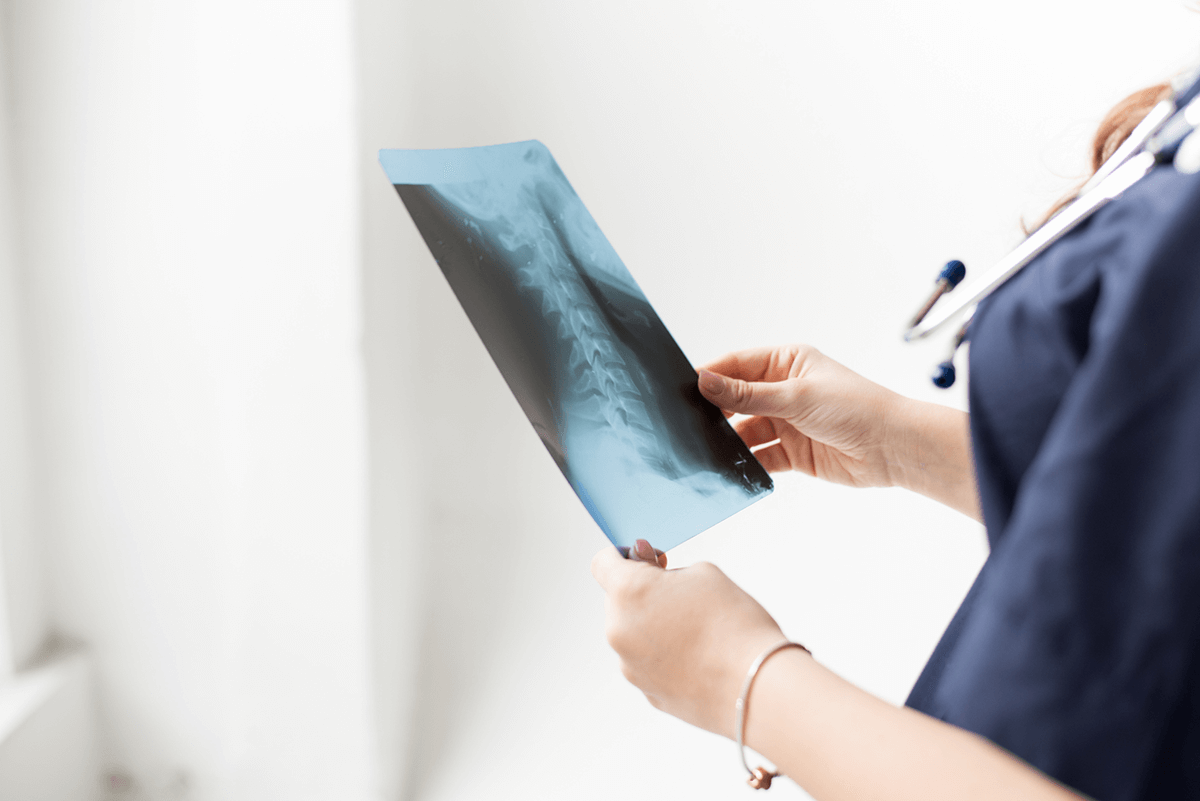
x: 47, y: 731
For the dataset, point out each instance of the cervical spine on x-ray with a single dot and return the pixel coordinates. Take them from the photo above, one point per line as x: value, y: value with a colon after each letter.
x: 592, y: 365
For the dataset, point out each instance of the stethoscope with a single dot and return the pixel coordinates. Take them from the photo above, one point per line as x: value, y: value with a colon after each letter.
x: 1167, y: 135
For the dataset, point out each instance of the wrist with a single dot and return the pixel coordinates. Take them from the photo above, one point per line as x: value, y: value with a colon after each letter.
x: 786, y: 672
x: 928, y: 451
x: 759, y: 778
x: 737, y: 663
x: 901, y: 441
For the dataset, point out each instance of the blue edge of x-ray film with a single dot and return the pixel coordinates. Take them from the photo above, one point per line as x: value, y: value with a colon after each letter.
x: 605, y: 385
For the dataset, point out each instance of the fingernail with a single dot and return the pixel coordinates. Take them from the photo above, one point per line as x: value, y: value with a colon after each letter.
x: 711, y: 383
x: 645, y: 552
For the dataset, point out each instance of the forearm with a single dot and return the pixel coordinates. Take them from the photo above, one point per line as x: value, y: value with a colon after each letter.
x: 842, y: 744
x: 928, y: 451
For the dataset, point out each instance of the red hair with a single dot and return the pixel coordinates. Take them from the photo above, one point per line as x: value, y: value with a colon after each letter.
x: 1113, y: 131
x: 1124, y: 117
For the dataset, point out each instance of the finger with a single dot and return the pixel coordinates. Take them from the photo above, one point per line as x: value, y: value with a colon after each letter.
x: 773, y: 458
x: 756, y: 431
x: 662, y: 560
x: 761, y: 364
x: 767, y: 398
x: 635, y: 551
x: 607, y: 565
x: 642, y: 551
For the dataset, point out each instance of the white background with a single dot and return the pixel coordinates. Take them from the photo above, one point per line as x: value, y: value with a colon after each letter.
x: 280, y: 491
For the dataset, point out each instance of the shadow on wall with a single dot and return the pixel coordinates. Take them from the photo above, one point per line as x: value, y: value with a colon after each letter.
x: 471, y: 522
x: 449, y: 508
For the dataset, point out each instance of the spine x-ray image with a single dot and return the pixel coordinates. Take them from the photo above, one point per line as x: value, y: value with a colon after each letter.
x: 604, y: 384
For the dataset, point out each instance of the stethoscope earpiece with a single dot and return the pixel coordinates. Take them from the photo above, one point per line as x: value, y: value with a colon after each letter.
x: 950, y: 276
x: 945, y: 374
x: 953, y: 274
x: 1169, y: 133
x: 943, y: 377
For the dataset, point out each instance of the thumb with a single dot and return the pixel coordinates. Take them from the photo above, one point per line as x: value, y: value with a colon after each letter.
x: 764, y: 398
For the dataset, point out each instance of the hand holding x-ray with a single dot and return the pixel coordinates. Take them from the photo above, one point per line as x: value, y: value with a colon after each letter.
x: 812, y: 414
x: 806, y: 412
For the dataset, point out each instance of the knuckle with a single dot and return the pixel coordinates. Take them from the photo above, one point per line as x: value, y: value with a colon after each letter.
x: 741, y: 392
x: 800, y: 390
x: 707, y: 570
x: 619, y: 637
x: 614, y: 637
x: 619, y: 589
x: 803, y: 357
x: 595, y: 566
x: 630, y: 588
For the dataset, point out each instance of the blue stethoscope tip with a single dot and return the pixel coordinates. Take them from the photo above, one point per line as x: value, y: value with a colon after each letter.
x: 943, y: 377
x: 953, y: 273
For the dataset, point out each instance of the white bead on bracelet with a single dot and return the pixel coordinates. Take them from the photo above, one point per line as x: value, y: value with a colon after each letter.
x: 759, y: 779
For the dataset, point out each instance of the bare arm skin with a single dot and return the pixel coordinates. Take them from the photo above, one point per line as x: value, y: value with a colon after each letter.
x: 929, y: 452
x: 843, y: 744
x: 686, y: 638
x: 829, y: 422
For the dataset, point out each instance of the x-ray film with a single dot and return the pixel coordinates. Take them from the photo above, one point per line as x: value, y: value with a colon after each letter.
x: 606, y: 387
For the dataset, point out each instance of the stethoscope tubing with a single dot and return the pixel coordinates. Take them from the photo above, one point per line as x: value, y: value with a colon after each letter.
x: 1125, y: 175
x: 1154, y: 140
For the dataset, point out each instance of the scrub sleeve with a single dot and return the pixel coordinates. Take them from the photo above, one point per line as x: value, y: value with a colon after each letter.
x: 1076, y: 649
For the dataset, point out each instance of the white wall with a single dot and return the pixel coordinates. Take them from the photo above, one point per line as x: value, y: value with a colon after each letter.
x: 770, y: 171
x: 402, y: 557
x: 189, y: 180
x: 23, y: 616
x: 316, y: 550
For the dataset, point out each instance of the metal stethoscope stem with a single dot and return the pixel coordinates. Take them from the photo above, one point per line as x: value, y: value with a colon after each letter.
x: 1156, y: 140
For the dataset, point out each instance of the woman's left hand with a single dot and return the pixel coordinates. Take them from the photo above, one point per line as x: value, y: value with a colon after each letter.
x: 685, y: 637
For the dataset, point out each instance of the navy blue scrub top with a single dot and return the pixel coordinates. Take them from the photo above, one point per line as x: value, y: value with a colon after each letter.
x: 1076, y: 648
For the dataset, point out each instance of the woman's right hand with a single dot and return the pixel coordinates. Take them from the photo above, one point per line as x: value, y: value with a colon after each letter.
x: 833, y: 424
x: 829, y: 421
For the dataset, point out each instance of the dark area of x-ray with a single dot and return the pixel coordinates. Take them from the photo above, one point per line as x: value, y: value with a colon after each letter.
x: 605, y: 385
